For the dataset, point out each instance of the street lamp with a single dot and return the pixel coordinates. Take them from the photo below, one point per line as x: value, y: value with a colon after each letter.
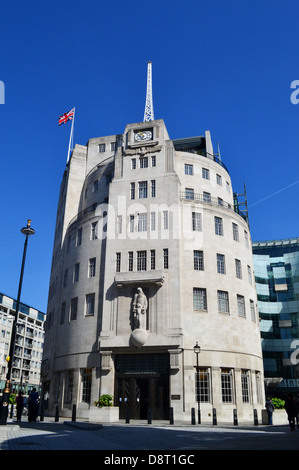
x: 27, y: 231
x: 196, y: 349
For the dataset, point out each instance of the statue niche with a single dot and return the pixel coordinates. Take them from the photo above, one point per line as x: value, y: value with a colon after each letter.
x: 139, y: 310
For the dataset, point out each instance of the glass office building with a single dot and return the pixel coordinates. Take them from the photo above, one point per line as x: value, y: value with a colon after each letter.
x: 276, y: 265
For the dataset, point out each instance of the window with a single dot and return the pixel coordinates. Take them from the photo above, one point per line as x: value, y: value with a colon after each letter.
x: 95, y: 185
x: 238, y: 269
x: 76, y: 272
x: 249, y: 274
x: 131, y: 223
x: 241, y: 306
x: 133, y: 164
x: 226, y: 386
x: 219, y: 179
x: 188, y: 169
x: 245, y: 386
x: 102, y: 148
x: 143, y: 162
x: 86, y: 385
x: 202, y: 385
x: 90, y: 304
x: 153, y: 160
x: 235, y: 232
x: 153, y: 259
x: 165, y: 220
x: 196, y: 222
x: 165, y: 258
x: 113, y: 146
x: 153, y: 220
x: 252, y: 310
x: 94, y: 229
x: 220, y: 201
x: 206, y: 197
x: 227, y: 186
x: 119, y: 223
x: 218, y: 226
x: 74, y: 308
x: 206, y: 173
x: 62, y: 312
x: 199, y: 299
x: 117, y: 262
x: 223, y: 305
x: 79, y: 237
x: 130, y: 260
x: 220, y: 264
x: 153, y: 188
x: 142, y: 187
x: 189, y: 193
x: 198, y: 262
x: 142, y: 222
x: 141, y: 260
x: 246, y: 238
x: 132, y: 190
x: 92, y: 267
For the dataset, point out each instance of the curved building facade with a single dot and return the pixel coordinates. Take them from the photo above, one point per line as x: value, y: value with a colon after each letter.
x: 151, y: 257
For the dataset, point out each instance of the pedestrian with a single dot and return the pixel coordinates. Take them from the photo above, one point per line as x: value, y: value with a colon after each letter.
x: 270, y: 410
x: 33, y: 400
x: 20, y: 405
x: 290, y: 407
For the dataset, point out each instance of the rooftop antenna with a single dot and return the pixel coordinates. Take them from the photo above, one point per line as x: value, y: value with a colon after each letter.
x: 149, y: 107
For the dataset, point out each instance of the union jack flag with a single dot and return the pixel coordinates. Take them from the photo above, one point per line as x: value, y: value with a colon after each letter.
x: 66, y: 117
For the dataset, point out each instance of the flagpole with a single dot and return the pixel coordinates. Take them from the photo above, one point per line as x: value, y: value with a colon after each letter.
x: 71, y: 138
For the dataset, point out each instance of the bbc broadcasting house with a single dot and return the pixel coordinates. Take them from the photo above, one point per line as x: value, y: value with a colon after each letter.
x: 150, y: 257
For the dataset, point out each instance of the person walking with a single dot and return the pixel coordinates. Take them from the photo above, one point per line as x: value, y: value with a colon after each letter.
x: 33, y: 405
x: 270, y: 410
x: 20, y: 405
x: 290, y: 407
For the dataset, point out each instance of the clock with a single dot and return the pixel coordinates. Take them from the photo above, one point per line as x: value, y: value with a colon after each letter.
x: 143, y: 136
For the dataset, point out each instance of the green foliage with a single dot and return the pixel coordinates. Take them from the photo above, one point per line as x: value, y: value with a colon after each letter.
x: 278, y: 403
x: 104, y: 400
x: 12, y: 398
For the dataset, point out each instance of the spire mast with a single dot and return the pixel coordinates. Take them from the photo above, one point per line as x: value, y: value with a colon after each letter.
x: 149, y: 107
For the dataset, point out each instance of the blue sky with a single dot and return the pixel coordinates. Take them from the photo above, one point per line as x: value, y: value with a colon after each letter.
x: 221, y: 66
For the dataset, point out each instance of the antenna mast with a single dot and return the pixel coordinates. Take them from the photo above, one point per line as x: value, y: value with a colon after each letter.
x: 149, y: 107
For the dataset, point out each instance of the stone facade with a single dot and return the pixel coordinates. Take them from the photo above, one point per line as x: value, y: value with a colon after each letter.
x: 139, y: 213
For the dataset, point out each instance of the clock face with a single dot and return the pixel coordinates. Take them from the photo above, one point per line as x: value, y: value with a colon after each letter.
x: 142, y: 136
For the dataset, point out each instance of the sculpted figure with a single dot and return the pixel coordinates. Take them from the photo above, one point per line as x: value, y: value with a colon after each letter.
x: 139, y: 309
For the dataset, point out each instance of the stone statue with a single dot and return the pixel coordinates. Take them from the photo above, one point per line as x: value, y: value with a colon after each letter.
x: 139, y: 309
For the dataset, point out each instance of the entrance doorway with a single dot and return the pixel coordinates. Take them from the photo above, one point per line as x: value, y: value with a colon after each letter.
x: 137, y: 392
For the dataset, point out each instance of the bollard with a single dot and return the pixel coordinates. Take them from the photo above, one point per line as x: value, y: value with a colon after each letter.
x: 149, y: 416
x: 41, y: 415
x: 192, y: 415
x: 214, y: 417
x: 127, y: 415
x: 74, y: 413
x: 171, y: 420
x: 255, y: 418
x: 235, y: 418
x: 57, y: 414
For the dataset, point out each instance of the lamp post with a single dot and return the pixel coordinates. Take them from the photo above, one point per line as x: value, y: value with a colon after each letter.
x: 196, y: 349
x: 27, y: 231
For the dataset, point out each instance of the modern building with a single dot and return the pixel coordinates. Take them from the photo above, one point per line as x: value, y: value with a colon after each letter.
x: 276, y: 264
x: 150, y: 257
x: 28, y: 349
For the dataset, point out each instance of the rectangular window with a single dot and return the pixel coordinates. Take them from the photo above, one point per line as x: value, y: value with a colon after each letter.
x: 90, y: 304
x: 245, y: 386
x: 235, y: 232
x: 165, y: 258
x: 86, y: 385
x: 153, y: 220
x: 226, y: 386
x: 154, y: 160
x: 117, y: 262
x: 206, y: 173
x: 198, y: 262
x: 246, y: 238
x: 199, y: 299
x: 95, y: 185
x: 153, y: 188
x: 189, y: 193
x: 130, y: 260
x: 113, y: 146
x: 218, y: 226
x: 74, y: 308
x: 76, y: 272
x: 142, y: 188
x: 79, y: 237
x: 132, y: 190
x: 62, y: 312
x: 220, y: 264
x: 202, y: 386
x: 153, y: 259
x: 188, y: 169
x: 143, y: 162
x: 206, y: 197
x: 223, y: 305
x: 219, y: 179
x: 102, y: 148
x: 196, y: 222
x: 92, y: 267
x: 131, y: 223
x: 142, y: 222
x: 141, y: 260
x: 241, y: 306
x: 165, y: 220
x: 133, y: 164
x: 238, y: 269
x: 252, y: 310
x: 94, y: 230
x: 249, y: 274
